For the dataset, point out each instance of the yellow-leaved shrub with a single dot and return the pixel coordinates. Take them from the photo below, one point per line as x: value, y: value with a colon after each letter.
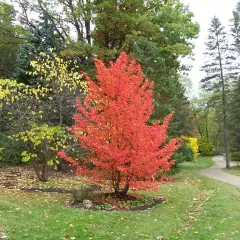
x: 191, y: 142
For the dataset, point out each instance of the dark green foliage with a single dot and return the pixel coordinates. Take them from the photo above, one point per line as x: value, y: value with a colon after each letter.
x: 183, y: 154
x: 182, y: 124
x: 40, y: 39
x: 187, y: 153
x: 11, y: 153
x: 205, y: 146
x: 164, y: 76
x: 235, y: 156
x: 235, y: 28
x: 10, y: 37
x: 216, y: 153
x: 234, y: 118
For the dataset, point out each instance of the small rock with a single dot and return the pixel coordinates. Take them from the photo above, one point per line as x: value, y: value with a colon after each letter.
x: 3, y: 236
x: 87, y: 204
x: 159, y: 238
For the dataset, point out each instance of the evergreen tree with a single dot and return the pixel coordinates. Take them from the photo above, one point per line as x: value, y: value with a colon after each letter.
x: 234, y: 105
x: 235, y: 28
x: 234, y: 117
x: 216, y: 70
x: 169, y: 93
x: 11, y: 35
x: 40, y: 39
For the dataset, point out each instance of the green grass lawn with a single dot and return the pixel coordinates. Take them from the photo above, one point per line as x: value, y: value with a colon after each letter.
x: 234, y: 169
x: 195, y: 208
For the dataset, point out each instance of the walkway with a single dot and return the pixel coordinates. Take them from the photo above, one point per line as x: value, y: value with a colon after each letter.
x: 217, y: 172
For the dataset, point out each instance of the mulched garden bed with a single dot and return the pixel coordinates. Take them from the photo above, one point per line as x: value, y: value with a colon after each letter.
x: 127, y: 202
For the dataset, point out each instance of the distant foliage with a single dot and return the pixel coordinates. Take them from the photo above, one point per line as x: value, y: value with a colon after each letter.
x: 10, y: 150
x: 192, y: 143
x: 205, y: 146
x: 235, y: 156
x: 40, y: 38
x: 187, y: 153
x: 111, y: 123
x: 183, y: 154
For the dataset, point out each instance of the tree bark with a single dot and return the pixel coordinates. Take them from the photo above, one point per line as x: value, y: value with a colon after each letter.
x: 121, y: 191
x: 116, y: 185
x: 224, y: 108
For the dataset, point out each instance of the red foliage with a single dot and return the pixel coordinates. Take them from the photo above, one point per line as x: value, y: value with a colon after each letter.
x: 124, y: 150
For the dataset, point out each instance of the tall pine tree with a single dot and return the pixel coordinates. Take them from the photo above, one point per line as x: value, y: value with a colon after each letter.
x: 235, y: 28
x: 216, y: 70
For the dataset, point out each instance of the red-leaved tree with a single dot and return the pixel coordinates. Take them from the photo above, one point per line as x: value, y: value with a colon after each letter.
x: 111, y: 123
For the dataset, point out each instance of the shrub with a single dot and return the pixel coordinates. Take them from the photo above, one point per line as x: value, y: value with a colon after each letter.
x: 191, y: 142
x: 10, y: 150
x: 235, y: 156
x: 41, y: 143
x: 183, y: 154
x: 188, y: 154
x: 205, y: 146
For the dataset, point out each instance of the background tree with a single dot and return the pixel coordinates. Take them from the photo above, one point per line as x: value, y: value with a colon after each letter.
x: 42, y: 38
x: 235, y: 27
x: 234, y: 117
x: 234, y: 90
x: 207, y: 118
x: 11, y: 35
x: 216, y: 69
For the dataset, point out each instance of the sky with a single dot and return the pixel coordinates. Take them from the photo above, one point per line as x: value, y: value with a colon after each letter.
x: 204, y: 10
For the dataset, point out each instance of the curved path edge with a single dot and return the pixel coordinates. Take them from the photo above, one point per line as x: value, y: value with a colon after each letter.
x: 216, y: 172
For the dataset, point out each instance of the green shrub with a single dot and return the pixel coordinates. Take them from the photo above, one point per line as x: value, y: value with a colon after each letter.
x: 183, y: 154
x: 205, y: 147
x: 10, y: 150
x: 188, y: 153
x: 235, y: 156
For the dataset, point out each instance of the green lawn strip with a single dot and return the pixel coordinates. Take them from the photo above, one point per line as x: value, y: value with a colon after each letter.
x: 195, y: 208
x: 235, y: 170
x: 220, y: 215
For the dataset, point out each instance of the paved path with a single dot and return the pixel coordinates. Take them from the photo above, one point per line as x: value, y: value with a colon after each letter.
x: 217, y: 172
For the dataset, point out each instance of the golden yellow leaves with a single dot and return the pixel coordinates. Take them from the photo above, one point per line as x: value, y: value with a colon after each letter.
x: 58, y: 73
x: 40, y: 136
x: 192, y: 142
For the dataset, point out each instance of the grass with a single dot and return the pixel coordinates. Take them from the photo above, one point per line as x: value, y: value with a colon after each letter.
x: 235, y: 170
x: 195, y: 208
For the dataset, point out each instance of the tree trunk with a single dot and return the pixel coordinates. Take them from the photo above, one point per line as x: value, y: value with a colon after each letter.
x: 87, y: 27
x: 224, y: 108
x: 42, y: 174
x: 45, y: 173
x: 116, y: 185
x: 121, y: 191
x: 37, y: 170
